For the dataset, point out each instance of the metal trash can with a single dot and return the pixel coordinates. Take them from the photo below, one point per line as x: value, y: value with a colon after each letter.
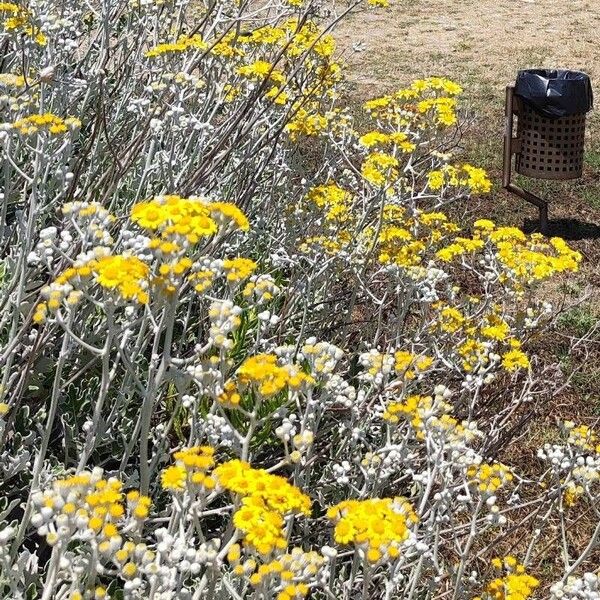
x: 551, y: 107
x: 549, y: 148
x: 551, y: 115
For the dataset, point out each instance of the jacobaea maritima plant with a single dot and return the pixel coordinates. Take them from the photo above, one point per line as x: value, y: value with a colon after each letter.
x: 246, y: 352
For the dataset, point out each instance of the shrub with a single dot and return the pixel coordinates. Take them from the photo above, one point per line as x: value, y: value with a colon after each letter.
x: 245, y: 352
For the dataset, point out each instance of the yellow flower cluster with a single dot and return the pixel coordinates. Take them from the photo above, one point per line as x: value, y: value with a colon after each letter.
x: 432, y: 98
x: 380, y: 169
x: 473, y: 354
x: 525, y: 259
x: 333, y: 200
x: 126, y: 276
x: 187, y: 219
x: 572, y: 493
x: 515, y: 359
x: 378, y: 526
x: 46, y: 122
x: 266, y: 499
x: 582, y: 436
x: 10, y: 7
x: 443, y: 110
x: 183, y: 44
x: 202, y: 279
x: 535, y: 259
x: 261, y: 288
x: 261, y: 69
x: 85, y: 502
x: 474, y: 351
x: 428, y: 415
x: 11, y: 80
x: 306, y: 121
x: 295, y: 37
x: 467, y: 176
x: 190, y: 470
x: 263, y: 374
x: 514, y: 584
x: 404, y: 239
x: 458, y: 247
x: 450, y: 319
x: 495, y: 328
x: 489, y: 478
x: 324, y: 243
x: 408, y: 365
x: 398, y: 139
x: 21, y: 21
x: 307, y: 37
x: 413, y: 408
x: 238, y: 269
x: 170, y: 274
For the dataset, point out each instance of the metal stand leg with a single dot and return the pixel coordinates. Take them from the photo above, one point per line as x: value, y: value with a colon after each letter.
x: 511, y: 148
x: 544, y: 218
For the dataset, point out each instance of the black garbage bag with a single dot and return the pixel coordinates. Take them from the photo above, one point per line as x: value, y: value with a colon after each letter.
x: 555, y: 93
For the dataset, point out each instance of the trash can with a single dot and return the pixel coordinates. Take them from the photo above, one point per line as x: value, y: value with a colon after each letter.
x: 551, y: 108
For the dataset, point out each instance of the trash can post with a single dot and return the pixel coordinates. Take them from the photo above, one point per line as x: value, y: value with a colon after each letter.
x: 510, y: 148
x: 508, y: 136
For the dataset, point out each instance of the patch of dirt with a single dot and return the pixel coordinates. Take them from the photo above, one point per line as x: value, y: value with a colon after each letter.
x: 481, y: 43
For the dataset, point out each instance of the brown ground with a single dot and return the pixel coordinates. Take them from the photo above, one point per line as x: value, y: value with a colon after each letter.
x: 480, y: 43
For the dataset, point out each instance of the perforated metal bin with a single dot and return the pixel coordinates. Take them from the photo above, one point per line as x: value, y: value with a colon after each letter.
x: 549, y: 148
x: 550, y: 107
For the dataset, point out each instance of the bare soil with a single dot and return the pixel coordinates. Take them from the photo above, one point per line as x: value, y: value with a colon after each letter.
x: 481, y: 43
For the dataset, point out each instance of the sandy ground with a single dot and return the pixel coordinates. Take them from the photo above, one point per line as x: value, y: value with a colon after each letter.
x: 481, y: 43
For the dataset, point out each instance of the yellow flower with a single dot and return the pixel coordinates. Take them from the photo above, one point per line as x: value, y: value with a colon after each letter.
x: 266, y: 499
x: 238, y: 268
x: 380, y: 168
x: 173, y: 478
x: 268, y: 378
x: 408, y: 364
x: 473, y: 178
x: 514, y: 360
x: 188, y: 219
x: 378, y: 526
x: 489, y: 478
x: 127, y: 275
x: 333, y: 199
x: 306, y: 121
x: 514, y: 584
x: 373, y: 138
x: 183, y: 44
x: 46, y: 122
